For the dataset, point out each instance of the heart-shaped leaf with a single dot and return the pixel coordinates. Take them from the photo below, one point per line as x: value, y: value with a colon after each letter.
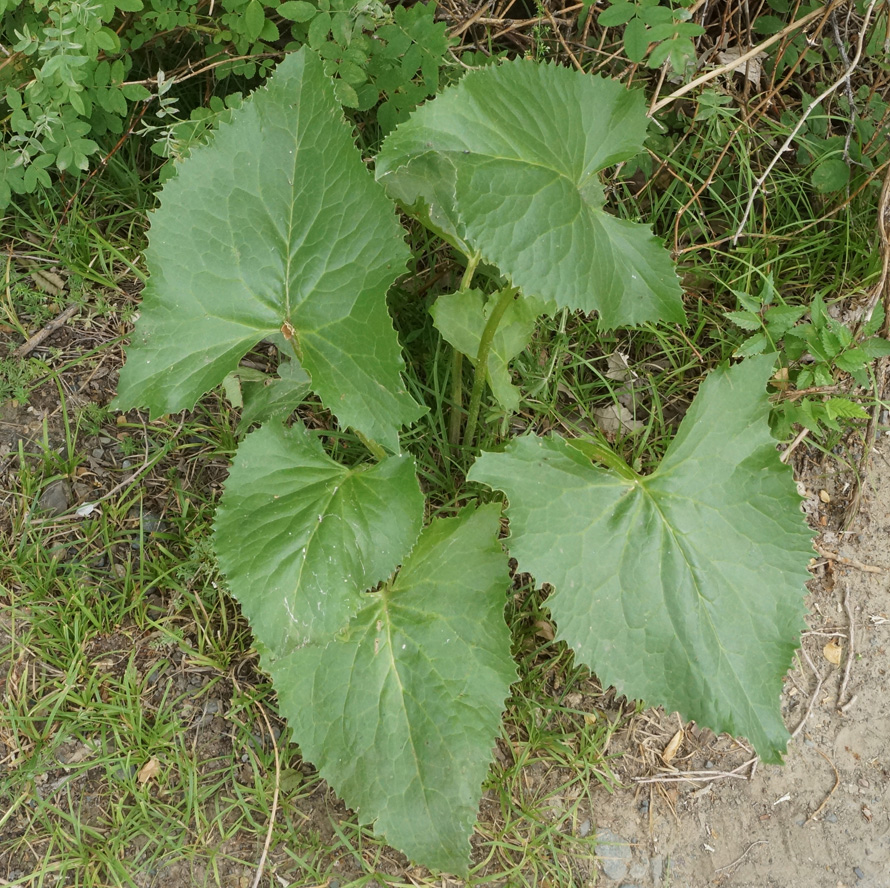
x: 516, y: 149
x: 300, y: 537
x: 276, y: 225
x: 683, y: 587
x: 400, y: 712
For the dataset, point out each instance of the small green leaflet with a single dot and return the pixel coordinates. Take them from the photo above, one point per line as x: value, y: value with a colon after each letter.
x: 425, y: 187
x: 400, y: 712
x: 300, y: 537
x: 518, y: 148
x: 273, y: 398
x: 460, y: 317
x: 276, y: 225
x: 684, y: 587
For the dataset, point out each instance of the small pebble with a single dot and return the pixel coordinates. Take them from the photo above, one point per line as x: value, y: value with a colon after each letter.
x: 55, y: 498
x: 151, y: 523
x: 211, y: 707
x: 60, y: 553
x: 831, y: 818
x: 614, y: 854
x: 859, y: 873
x: 584, y: 828
x: 124, y: 773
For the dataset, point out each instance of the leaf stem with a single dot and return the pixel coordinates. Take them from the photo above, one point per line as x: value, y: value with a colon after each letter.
x: 457, y: 360
x: 373, y: 446
x: 508, y: 294
x: 594, y: 450
x: 457, y: 396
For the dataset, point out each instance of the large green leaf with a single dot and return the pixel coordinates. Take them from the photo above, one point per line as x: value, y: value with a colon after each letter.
x: 519, y: 147
x: 684, y: 587
x: 461, y: 317
x: 300, y: 537
x: 277, y: 222
x: 400, y: 712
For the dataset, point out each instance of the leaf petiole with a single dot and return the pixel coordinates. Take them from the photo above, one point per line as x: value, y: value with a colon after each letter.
x: 457, y: 359
x: 507, y: 295
x: 373, y: 446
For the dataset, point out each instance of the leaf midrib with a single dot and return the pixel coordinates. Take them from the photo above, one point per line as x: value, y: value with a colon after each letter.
x: 693, y: 573
x: 394, y: 668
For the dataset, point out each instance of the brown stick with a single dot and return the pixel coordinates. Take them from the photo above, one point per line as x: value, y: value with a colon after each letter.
x: 26, y: 348
x: 851, y: 652
x: 850, y: 562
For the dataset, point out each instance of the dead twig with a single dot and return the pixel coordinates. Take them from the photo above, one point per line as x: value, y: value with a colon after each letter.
x: 59, y: 321
x: 464, y: 26
x: 813, y: 697
x: 803, y: 118
x: 786, y: 455
x: 850, y: 562
x: 851, y: 99
x: 744, y: 854
x: 837, y: 783
x: 702, y: 776
x: 843, y: 709
x: 882, y: 288
x: 851, y: 643
x: 562, y: 40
